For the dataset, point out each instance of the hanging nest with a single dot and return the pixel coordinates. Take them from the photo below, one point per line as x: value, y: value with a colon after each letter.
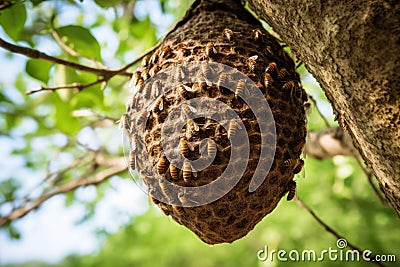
x: 236, y: 64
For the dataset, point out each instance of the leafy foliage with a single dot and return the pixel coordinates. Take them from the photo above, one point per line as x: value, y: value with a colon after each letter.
x: 13, y: 20
x: 81, y: 40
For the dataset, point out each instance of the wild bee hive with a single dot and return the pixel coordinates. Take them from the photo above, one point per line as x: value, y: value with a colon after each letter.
x: 176, y: 146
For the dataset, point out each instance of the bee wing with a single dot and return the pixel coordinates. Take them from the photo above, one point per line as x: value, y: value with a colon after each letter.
x: 191, y: 147
x: 156, y: 89
x: 255, y: 57
x: 121, y: 122
x: 133, y: 81
x: 219, y: 147
x: 192, y: 109
x: 134, y: 143
x: 208, y: 82
x: 203, y: 148
x: 153, y: 105
x: 187, y: 88
x: 246, y: 90
x: 180, y: 74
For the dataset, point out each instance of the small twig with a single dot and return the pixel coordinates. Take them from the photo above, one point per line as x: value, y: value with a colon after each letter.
x: 59, y: 40
x: 319, y: 111
x: 6, y: 5
x: 116, y: 166
x: 36, y: 54
x: 127, y: 66
x: 368, y: 174
x: 78, y: 86
x: 100, y: 121
x: 329, y: 229
x: 53, y: 177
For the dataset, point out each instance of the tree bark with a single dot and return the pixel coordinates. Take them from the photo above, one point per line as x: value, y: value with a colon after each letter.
x: 352, y: 49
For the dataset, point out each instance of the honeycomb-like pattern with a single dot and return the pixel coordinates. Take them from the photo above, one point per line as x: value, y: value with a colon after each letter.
x: 223, y: 32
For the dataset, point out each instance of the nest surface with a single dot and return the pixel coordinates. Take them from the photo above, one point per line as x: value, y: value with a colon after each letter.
x: 167, y: 131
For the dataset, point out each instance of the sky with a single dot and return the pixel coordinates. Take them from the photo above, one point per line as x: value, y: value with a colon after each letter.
x: 52, y: 232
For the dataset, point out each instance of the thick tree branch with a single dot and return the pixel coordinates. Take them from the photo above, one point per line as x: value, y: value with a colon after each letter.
x: 332, y: 142
x: 351, y: 48
x: 114, y: 167
x: 328, y: 143
x: 32, y: 53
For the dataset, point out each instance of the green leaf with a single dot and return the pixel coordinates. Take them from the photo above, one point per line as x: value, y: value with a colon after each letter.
x: 13, y: 232
x: 39, y: 69
x: 37, y: 2
x: 142, y: 35
x: 69, y: 198
x: 13, y: 20
x: 107, y: 3
x: 8, y: 189
x: 90, y: 97
x: 80, y: 40
x: 63, y: 116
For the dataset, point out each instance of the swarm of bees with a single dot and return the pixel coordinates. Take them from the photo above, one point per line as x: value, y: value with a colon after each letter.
x: 238, y: 41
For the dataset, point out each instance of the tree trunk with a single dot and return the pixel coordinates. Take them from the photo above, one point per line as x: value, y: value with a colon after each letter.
x: 352, y: 49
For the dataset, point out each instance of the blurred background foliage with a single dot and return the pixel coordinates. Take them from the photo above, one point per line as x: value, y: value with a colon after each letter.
x: 42, y: 134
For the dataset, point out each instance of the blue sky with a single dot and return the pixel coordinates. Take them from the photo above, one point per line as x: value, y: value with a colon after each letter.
x: 51, y: 232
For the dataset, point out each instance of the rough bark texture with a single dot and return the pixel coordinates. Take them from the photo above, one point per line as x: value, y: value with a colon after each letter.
x: 352, y: 49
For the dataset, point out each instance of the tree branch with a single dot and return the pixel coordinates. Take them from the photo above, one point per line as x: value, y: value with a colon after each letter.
x: 330, y: 229
x: 127, y: 66
x: 332, y: 142
x: 369, y: 175
x: 319, y: 111
x: 32, y: 53
x: 329, y: 142
x: 6, y: 5
x: 115, y: 166
x: 78, y: 86
x: 359, y: 74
